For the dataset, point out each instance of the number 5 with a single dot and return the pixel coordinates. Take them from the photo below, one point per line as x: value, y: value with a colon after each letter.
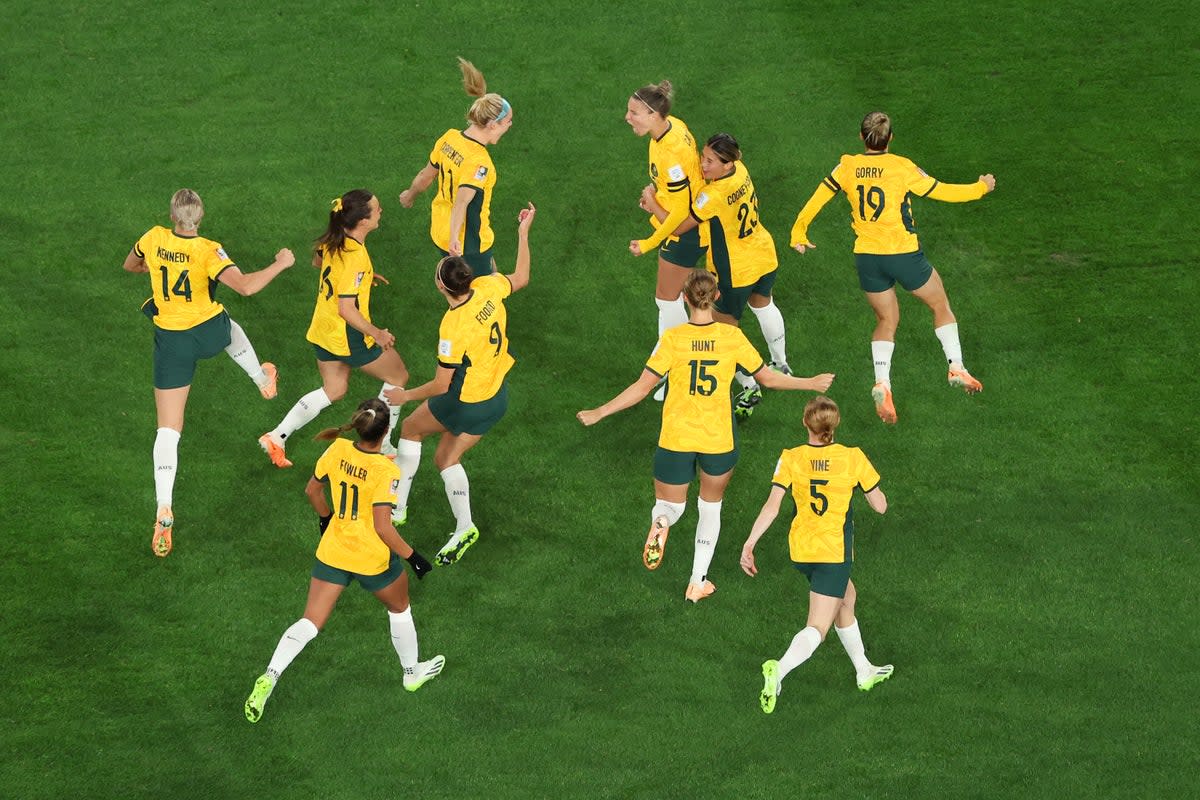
x: 813, y: 485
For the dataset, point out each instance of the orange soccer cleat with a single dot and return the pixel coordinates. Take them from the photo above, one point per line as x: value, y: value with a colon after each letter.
x: 882, y: 395
x: 164, y: 521
x: 271, y: 387
x: 656, y: 543
x: 960, y: 377
x: 698, y: 591
x: 275, y: 450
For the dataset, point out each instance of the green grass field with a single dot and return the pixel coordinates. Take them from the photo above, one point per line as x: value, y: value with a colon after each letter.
x: 1030, y: 581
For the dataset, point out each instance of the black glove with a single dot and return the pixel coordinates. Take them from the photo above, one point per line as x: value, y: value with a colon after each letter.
x: 323, y: 522
x: 419, y: 565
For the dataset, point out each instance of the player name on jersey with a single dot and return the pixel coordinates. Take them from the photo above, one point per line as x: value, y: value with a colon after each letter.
x: 173, y: 256
x: 821, y: 465
x: 868, y: 172
x: 704, y: 345
x: 488, y: 309
x: 449, y: 152
x: 352, y: 470
x: 739, y: 193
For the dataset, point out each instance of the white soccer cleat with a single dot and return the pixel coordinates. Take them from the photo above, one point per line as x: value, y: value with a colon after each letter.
x: 423, y: 672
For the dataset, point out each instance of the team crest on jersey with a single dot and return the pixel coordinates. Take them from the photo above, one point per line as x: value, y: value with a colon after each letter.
x: 358, y: 279
x: 654, y: 171
x: 445, y: 347
x: 701, y: 200
x: 481, y: 173
x: 676, y: 173
x: 221, y: 254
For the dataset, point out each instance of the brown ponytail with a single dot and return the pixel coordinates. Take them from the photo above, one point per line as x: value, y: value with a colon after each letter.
x: 345, y: 212
x: 821, y: 417
x: 370, y: 422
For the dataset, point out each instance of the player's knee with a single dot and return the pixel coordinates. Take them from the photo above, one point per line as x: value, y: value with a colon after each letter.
x: 334, y: 392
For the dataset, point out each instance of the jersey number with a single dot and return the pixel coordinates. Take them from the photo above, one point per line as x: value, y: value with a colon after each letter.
x: 813, y: 486
x: 873, y: 197
x: 446, y: 182
x: 748, y: 217
x: 182, y: 288
x: 496, y: 337
x: 703, y: 383
x: 353, y: 492
x: 326, y: 284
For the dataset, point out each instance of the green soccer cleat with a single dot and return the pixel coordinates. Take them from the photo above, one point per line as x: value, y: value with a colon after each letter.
x: 458, y: 544
x: 770, y: 690
x: 423, y: 673
x: 874, y: 676
x: 399, y: 516
x: 258, y: 697
x: 745, y: 402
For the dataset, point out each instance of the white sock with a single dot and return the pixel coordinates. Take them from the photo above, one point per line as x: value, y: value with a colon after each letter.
x: 708, y: 530
x: 948, y: 336
x: 458, y: 492
x: 408, y: 458
x: 671, y: 313
x: 851, y: 639
x: 746, y: 381
x: 293, y: 641
x: 770, y: 319
x: 393, y: 412
x: 804, y: 644
x: 242, y: 353
x: 166, y: 460
x: 881, y: 353
x: 304, y: 412
x: 404, y: 638
x: 672, y: 511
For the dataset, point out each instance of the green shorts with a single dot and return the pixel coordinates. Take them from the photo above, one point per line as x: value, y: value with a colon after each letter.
x: 733, y: 300
x: 683, y: 251
x: 176, y: 353
x: 830, y: 580
x: 480, y: 263
x: 473, y: 418
x: 678, y: 469
x: 360, y: 354
x: 878, y: 273
x: 372, y: 583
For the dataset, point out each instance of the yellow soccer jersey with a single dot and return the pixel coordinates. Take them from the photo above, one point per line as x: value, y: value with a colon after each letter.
x: 357, y: 483
x: 740, y: 249
x: 344, y: 273
x: 473, y: 340
x: 675, y: 172
x: 462, y: 162
x: 822, y: 480
x: 699, y: 362
x: 183, y: 276
x: 880, y: 188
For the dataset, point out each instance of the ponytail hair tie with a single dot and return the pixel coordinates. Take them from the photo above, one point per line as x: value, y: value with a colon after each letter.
x: 336, y: 205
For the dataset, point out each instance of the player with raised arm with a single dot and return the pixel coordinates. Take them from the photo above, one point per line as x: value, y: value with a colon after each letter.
x: 880, y: 186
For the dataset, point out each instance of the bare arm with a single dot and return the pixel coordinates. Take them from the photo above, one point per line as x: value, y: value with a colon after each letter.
x: 247, y: 284
x: 439, y: 385
x: 420, y: 183
x: 519, y: 277
x: 777, y: 380
x: 381, y: 515
x: 348, y: 311
x: 135, y: 263
x: 766, y: 516
x: 633, y: 394
x: 877, y: 500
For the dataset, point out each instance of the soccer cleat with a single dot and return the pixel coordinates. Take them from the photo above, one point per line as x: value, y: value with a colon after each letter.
x: 164, y: 521
x: 781, y: 368
x: 698, y: 591
x: 656, y: 543
x: 458, y: 544
x: 882, y: 395
x: 771, y: 686
x: 873, y: 676
x: 399, y: 516
x: 271, y: 387
x: 423, y: 673
x: 258, y: 697
x: 745, y: 402
x: 960, y: 377
x: 274, y: 450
